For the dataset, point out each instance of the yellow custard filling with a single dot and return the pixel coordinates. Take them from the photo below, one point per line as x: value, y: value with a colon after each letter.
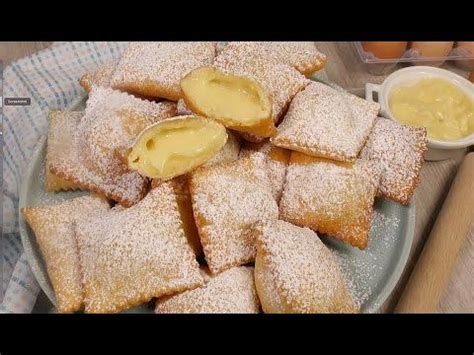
x: 233, y: 100
x: 444, y: 109
x: 176, y: 146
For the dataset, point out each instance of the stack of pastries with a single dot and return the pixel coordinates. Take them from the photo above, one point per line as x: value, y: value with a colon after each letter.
x: 210, y: 174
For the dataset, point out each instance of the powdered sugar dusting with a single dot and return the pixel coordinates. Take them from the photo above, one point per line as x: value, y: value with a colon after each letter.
x: 324, y: 122
x: 54, y: 230
x: 112, y: 120
x: 154, y: 69
x: 99, y: 77
x: 55, y: 146
x: 302, y: 269
x: 276, y: 169
x: 398, y: 151
x: 336, y: 199
x: 231, y: 291
x: 227, y: 200
x: 303, y: 56
x: 132, y: 255
x: 280, y: 81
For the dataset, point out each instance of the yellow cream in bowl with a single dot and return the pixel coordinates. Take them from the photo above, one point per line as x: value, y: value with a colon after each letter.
x: 444, y: 109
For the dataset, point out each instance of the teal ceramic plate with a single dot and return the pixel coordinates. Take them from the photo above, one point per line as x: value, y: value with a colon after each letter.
x: 372, y: 273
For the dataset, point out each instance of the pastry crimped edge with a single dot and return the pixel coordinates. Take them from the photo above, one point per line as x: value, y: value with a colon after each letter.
x: 202, y: 221
x: 188, y: 281
x: 34, y: 220
x: 100, y: 76
x: 402, y: 192
x: 231, y: 291
x: 358, y: 234
x: 149, y: 87
x: 62, y: 172
x: 109, y: 195
x: 272, y: 297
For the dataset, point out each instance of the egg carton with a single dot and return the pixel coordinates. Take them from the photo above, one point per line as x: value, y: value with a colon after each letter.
x: 461, y: 57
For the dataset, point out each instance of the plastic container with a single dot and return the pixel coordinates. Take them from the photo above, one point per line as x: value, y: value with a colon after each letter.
x: 437, y: 149
x: 461, y: 57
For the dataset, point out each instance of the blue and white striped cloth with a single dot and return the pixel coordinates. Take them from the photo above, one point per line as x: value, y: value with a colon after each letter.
x: 50, y: 79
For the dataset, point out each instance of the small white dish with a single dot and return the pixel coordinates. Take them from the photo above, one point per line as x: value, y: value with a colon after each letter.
x: 437, y: 149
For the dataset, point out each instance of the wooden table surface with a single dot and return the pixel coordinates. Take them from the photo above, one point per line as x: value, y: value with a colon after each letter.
x: 345, y: 69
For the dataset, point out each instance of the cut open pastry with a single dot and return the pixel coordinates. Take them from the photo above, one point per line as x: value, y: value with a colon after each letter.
x: 99, y: 77
x: 112, y: 120
x: 296, y: 273
x: 276, y: 160
x: 154, y: 69
x: 227, y: 200
x: 54, y: 230
x: 398, y: 152
x: 58, y: 141
x: 279, y: 81
x: 131, y: 255
x: 324, y: 122
x: 238, y: 102
x: 330, y: 197
x: 175, y: 146
x: 231, y: 291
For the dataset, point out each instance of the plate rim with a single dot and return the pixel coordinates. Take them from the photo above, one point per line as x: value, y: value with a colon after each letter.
x: 401, y: 263
x: 381, y: 298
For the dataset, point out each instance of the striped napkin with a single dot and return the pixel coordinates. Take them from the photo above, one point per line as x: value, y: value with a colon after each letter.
x: 50, y: 79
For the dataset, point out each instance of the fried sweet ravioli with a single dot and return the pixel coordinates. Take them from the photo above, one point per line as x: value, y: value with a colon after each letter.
x: 237, y: 102
x: 175, y: 146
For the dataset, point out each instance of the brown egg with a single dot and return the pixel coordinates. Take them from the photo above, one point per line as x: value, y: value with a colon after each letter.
x: 471, y: 77
x: 385, y: 50
x: 432, y: 49
x: 466, y: 48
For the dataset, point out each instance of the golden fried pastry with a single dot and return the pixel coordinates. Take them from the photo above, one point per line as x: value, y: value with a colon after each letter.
x: 303, y: 56
x: 296, y: 273
x: 238, y: 102
x: 227, y: 199
x: 185, y: 208
x: 398, y: 151
x: 58, y: 141
x: 324, y: 122
x: 231, y: 291
x: 176, y: 146
x: 154, y: 69
x: 131, y: 255
x: 330, y: 197
x: 183, y: 109
x: 112, y: 120
x: 54, y: 230
x: 99, y: 77
x: 228, y: 153
x: 276, y: 162
x: 280, y: 81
